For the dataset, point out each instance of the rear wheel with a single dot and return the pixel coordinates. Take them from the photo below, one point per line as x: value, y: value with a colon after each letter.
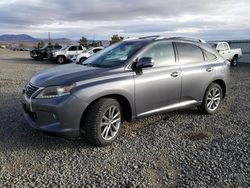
x: 212, y: 99
x: 60, y: 59
x: 103, y: 122
x: 234, y: 61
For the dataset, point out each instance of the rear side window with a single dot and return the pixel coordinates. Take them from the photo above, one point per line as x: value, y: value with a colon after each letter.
x: 162, y: 53
x: 189, y: 53
x: 209, y: 56
x: 80, y: 48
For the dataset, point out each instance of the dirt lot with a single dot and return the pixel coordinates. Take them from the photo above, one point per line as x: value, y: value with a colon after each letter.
x: 182, y: 148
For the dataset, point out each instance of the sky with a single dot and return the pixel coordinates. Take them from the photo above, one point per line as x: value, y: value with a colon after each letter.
x: 100, y: 19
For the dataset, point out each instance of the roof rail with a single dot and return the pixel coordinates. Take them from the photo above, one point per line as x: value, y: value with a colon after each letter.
x: 131, y: 38
x: 146, y: 37
x: 182, y: 38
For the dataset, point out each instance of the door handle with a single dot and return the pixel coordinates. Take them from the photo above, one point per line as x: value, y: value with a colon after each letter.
x: 209, y: 69
x: 175, y: 74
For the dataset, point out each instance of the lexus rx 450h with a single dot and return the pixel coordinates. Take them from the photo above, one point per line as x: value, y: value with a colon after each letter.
x: 128, y: 80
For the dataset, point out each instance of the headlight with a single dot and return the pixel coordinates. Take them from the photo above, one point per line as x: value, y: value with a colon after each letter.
x: 55, y: 91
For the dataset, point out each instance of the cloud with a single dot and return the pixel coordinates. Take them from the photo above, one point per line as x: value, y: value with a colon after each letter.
x: 100, y: 19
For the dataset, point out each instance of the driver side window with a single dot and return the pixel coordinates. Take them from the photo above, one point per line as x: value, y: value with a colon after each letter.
x: 73, y: 48
x: 162, y: 53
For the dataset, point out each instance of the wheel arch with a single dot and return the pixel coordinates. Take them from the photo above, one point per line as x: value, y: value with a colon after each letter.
x: 61, y: 56
x: 124, y: 102
x: 222, y: 85
x: 236, y: 55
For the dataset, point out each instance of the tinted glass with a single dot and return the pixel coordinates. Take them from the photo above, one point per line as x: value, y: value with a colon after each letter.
x: 96, y: 50
x: 116, y: 54
x: 73, y: 48
x: 162, y: 53
x: 79, y: 48
x: 209, y: 56
x: 189, y: 53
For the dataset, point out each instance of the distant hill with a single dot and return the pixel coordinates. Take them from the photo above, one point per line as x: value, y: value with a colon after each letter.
x: 17, y: 38
x: 27, y: 38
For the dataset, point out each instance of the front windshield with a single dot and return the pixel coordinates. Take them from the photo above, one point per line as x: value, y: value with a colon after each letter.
x: 116, y: 54
x: 64, y: 48
x: 44, y: 47
x: 87, y: 50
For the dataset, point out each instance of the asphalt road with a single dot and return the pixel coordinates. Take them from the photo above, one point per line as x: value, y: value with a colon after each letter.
x: 182, y: 148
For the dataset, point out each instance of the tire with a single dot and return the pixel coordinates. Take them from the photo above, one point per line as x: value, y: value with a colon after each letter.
x: 60, y: 59
x: 99, y: 130
x: 212, y: 99
x: 234, y: 61
x: 82, y: 60
x: 38, y: 58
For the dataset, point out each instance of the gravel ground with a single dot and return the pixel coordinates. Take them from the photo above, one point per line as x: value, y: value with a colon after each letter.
x: 177, y: 149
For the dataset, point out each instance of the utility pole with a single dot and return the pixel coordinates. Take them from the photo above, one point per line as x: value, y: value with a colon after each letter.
x: 49, y: 37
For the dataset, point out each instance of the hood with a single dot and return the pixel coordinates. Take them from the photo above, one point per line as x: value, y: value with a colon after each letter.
x: 65, y: 75
x: 36, y: 50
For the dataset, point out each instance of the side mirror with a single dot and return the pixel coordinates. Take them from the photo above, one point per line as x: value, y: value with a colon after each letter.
x: 142, y: 63
x: 145, y: 62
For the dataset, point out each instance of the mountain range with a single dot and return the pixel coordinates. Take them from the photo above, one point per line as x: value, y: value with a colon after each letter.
x: 24, y: 38
x: 9, y: 38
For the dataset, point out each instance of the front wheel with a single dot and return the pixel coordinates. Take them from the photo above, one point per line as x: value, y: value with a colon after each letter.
x: 212, y: 99
x: 234, y: 61
x: 103, y: 122
x: 60, y: 59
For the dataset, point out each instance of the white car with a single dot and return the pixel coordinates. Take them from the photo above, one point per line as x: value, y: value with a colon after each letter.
x: 226, y: 52
x: 67, y: 52
x: 80, y: 58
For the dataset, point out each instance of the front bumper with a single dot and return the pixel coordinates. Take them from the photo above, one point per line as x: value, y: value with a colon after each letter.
x: 61, y: 115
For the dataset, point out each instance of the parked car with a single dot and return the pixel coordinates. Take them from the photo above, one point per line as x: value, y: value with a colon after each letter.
x: 80, y: 58
x: 125, y: 81
x: 42, y: 53
x: 225, y: 50
x: 66, y: 53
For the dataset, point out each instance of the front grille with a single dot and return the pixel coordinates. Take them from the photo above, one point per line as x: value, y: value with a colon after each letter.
x: 30, y: 89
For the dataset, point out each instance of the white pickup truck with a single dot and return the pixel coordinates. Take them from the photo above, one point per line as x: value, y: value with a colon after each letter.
x: 229, y: 54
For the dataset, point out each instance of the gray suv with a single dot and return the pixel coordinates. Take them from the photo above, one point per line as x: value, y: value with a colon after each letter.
x: 128, y: 80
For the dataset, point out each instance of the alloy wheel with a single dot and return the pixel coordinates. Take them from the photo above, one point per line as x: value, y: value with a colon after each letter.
x: 213, y: 99
x: 110, y: 122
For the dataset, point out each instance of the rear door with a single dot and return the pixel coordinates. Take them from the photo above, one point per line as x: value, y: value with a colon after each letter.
x: 158, y: 86
x: 196, y: 72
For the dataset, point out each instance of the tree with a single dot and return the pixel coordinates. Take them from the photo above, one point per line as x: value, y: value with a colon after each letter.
x: 40, y: 44
x: 115, y: 39
x: 94, y: 44
x: 84, y: 42
x: 100, y: 43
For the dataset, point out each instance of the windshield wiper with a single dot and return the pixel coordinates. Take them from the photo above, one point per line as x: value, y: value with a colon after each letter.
x: 94, y: 65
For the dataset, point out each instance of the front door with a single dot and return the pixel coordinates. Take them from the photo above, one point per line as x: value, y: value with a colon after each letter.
x: 158, y: 86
